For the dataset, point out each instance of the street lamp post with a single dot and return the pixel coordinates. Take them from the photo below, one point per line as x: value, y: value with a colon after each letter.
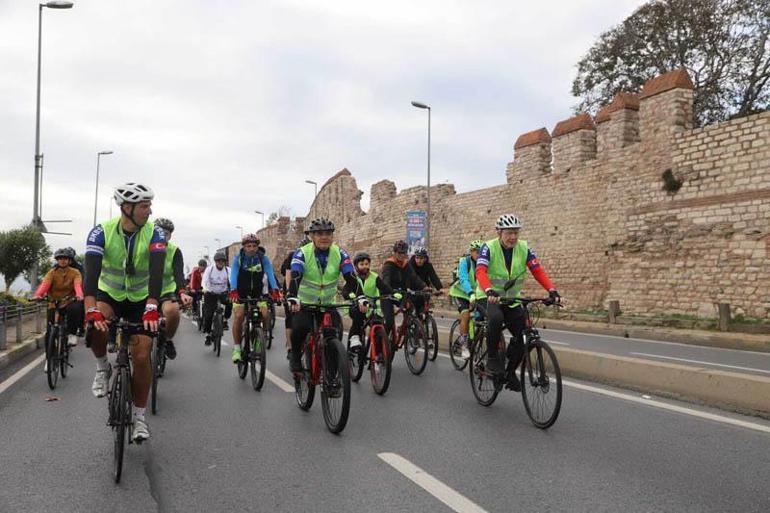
x: 241, y: 229
x: 427, y: 219
x: 219, y: 243
x: 263, y: 217
x: 36, y: 221
x: 96, y: 194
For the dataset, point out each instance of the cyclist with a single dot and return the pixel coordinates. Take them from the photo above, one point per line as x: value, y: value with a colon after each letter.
x: 174, y: 286
x: 425, y: 271
x: 464, y: 292
x: 124, y: 277
x: 398, y: 275
x: 315, y: 270
x: 500, y: 261
x: 60, y: 282
x: 195, y: 284
x: 286, y: 273
x: 251, y: 275
x: 372, y: 286
x: 216, y: 285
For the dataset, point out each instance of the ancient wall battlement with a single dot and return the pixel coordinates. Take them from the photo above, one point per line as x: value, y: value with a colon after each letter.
x: 595, y: 210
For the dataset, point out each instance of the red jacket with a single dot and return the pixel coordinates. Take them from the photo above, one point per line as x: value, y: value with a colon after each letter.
x: 196, y: 279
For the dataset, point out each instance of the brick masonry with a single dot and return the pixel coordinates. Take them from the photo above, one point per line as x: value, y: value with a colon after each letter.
x: 594, y: 208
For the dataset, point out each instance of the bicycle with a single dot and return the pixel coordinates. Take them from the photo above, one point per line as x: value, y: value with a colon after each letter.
x: 455, y: 347
x: 325, y: 363
x: 120, y: 401
x: 539, y: 374
x: 158, y: 363
x: 253, y: 353
x: 411, y: 336
x: 429, y: 325
x: 271, y: 324
x: 57, y: 350
x: 375, y: 353
x: 217, y: 327
x: 197, y: 310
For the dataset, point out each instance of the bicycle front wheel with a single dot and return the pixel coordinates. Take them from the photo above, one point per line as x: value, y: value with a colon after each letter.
x: 51, y: 357
x: 216, y: 333
x: 455, y: 347
x: 431, y: 334
x: 380, y: 366
x: 415, y: 346
x: 64, y: 353
x: 482, y: 382
x: 335, y: 387
x: 541, y: 384
x: 304, y: 389
x: 357, y: 360
x: 122, y: 416
x: 258, y: 358
x: 243, y: 365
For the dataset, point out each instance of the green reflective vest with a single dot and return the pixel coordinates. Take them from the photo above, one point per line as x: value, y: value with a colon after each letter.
x: 370, y: 289
x: 497, y: 272
x: 456, y: 290
x: 169, y: 285
x: 113, y: 279
x: 316, y: 287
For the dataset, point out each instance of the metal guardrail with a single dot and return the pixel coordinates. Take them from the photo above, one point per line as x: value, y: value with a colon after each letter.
x: 25, y: 318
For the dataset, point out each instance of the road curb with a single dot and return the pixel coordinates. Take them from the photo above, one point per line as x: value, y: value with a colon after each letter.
x: 744, y: 393
x: 19, y: 351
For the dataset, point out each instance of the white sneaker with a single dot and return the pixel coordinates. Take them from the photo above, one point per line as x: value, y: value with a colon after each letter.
x: 102, y: 378
x: 72, y: 340
x: 141, y: 430
x: 355, y: 342
x: 465, y: 353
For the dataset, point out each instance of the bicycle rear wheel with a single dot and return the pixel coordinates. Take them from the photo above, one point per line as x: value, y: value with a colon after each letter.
x: 541, y: 384
x: 304, y: 389
x: 455, y: 348
x: 431, y: 334
x: 121, y: 408
x: 258, y: 358
x: 380, y: 366
x: 216, y: 333
x: 335, y: 387
x: 415, y: 346
x: 482, y: 383
x: 51, y: 357
x: 357, y: 360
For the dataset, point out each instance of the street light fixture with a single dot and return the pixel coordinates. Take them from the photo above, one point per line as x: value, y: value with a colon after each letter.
x: 36, y: 221
x: 219, y: 243
x: 427, y: 219
x: 241, y: 229
x: 263, y: 216
x: 96, y: 194
x: 315, y: 186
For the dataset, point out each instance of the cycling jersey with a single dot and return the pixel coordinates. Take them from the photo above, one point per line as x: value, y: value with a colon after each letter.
x: 247, y: 274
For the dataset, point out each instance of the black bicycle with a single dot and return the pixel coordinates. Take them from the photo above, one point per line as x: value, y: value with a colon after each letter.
x: 158, y: 361
x: 120, y: 400
x: 57, y: 350
x: 271, y: 324
x: 429, y: 324
x: 217, y: 327
x: 253, y: 351
x: 540, y: 375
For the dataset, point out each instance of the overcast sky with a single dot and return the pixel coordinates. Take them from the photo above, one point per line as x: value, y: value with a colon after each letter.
x: 226, y: 107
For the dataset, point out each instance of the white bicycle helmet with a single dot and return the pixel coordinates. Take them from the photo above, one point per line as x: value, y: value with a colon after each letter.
x: 507, y: 221
x: 133, y: 193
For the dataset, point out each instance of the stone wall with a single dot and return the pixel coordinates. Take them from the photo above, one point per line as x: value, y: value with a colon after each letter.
x: 591, y: 196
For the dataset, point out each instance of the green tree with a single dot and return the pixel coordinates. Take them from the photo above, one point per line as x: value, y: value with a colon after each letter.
x: 44, y: 264
x: 723, y: 44
x: 19, y: 250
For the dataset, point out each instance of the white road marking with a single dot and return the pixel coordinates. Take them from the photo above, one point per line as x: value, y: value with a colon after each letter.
x: 5, y: 385
x: 670, y: 407
x: 662, y: 405
x: 651, y: 341
x: 701, y: 362
x: 557, y: 343
x: 430, y: 484
x: 283, y: 385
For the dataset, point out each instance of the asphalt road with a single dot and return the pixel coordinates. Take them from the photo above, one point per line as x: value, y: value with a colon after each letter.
x: 217, y: 445
x: 746, y: 362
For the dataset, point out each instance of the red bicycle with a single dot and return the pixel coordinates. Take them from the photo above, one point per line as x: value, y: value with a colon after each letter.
x: 325, y: 362
x: 410, y: 335
x: 376, y: 352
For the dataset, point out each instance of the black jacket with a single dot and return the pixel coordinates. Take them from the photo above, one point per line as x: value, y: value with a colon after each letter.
x: 397, y: 277
x: 426, y: 273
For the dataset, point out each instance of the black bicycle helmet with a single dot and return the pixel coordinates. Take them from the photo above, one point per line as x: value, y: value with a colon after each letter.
x: 62, y: 253
x: 421, y: 252
x: 360, y: 256
x: 202, y: 263
x: 322, y: 224
x: 71, y: 252
x: 220, y: 255
x: 400, y: 247
x: 164, y: 223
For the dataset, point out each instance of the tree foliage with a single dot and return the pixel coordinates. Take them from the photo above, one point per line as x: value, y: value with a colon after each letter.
x: 19, y: 250
x: 723, y: 44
